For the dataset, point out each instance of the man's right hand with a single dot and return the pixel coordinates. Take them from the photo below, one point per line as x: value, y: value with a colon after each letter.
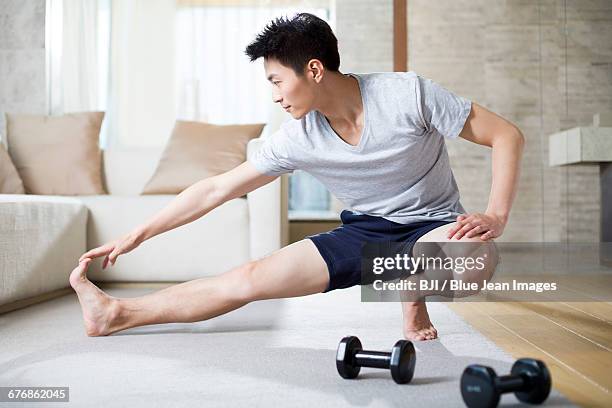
x: 113, y: 249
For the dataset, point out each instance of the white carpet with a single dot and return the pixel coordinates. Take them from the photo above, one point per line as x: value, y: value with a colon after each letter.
x: 271, y: 353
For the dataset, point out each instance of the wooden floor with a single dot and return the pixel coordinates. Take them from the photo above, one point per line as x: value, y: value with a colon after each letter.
x: 574, y: 339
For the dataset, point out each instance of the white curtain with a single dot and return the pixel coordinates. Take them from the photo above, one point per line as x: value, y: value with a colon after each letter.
x: 78, y: 45
x: 216, y: 82
x: 142, y: 93
x: 77, y: 35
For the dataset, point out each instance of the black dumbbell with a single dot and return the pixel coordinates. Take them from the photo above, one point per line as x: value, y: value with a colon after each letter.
x: 400, y: 360
x: 529, y: 379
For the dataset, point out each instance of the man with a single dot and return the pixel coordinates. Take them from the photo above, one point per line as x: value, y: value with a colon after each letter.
x: 375, y: 140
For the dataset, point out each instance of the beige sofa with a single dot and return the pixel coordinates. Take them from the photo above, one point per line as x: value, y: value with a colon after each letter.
x: 42, y: 237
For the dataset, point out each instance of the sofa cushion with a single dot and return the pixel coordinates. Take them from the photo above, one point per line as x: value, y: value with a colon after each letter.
x: 57, y: 155
x: 10, y: 182
x: 198, y: 150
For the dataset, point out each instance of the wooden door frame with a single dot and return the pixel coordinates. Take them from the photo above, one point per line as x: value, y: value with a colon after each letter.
x: 400, y: 35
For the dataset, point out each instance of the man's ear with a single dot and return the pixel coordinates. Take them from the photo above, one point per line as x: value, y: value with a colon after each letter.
x: 315, y: 70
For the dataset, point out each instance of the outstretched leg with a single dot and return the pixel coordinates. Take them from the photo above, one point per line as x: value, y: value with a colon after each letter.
x: 295, y: 270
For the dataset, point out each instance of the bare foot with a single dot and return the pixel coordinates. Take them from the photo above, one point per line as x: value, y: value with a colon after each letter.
x: 99, y: 309
x: 417, y: 325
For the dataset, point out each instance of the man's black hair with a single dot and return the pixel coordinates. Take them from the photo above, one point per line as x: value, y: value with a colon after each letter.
x: 294, y: 42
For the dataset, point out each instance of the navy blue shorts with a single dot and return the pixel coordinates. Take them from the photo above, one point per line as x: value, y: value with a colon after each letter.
x: 341, y: 247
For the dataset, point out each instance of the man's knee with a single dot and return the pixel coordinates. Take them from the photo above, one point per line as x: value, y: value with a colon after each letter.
x: 243, y: 284
x: 483, y: 258
x: 478, y: 258
x: 469, y: 260
x: 438, y: 245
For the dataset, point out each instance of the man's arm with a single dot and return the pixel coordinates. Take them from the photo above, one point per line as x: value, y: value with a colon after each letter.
x: 488, y: 129
x: 202, y: 197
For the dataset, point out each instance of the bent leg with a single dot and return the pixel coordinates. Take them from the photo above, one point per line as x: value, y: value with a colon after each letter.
x: 295, y: 270
x: 417, y: 325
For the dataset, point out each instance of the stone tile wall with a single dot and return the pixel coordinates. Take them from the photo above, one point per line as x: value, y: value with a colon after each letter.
x: 22, y: 58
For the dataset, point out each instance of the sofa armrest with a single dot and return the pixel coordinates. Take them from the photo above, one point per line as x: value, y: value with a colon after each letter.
x: 41, y: 239
x: 268, y: 206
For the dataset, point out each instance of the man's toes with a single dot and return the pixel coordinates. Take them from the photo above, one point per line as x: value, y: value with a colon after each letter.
x: 79, y: 273
x: 415, y: 335
x: 93, y: 332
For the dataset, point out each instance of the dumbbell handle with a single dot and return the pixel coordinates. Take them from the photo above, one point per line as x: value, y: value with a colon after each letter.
x: 375, y: 359
x: 510, y: 383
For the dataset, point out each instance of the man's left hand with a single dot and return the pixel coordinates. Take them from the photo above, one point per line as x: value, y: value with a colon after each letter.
x: 488, y: 226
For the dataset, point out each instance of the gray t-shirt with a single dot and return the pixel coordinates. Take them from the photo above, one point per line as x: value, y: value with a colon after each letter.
x: 400, y: 169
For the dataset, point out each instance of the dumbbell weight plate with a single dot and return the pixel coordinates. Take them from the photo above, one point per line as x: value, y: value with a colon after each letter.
x: 539, y: 377
x: 403, y: 361
x: 345, y: 362
x: 477, y: 388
